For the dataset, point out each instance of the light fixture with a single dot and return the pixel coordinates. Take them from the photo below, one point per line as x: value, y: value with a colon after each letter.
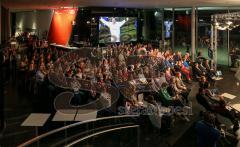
x: 57, y: 12
x: 222, y: 28
x: 72, y: 12
x: 73, y: 22
x: 226, y: 21
x: 229, y: 23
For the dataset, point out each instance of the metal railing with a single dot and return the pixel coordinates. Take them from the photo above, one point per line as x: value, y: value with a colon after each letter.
x: 48, y: 134
x: 103, y: 132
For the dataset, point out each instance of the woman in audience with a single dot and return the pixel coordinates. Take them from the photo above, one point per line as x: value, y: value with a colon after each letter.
x: 186, y: 72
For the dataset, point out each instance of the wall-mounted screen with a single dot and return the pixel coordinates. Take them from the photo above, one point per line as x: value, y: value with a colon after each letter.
x: 117, y: 29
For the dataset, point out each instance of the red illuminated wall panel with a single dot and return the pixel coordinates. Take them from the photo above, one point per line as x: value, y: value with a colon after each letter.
x: 61, y: 26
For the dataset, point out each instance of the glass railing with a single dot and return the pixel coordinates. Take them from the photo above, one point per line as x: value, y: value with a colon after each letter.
x: 85, y: 131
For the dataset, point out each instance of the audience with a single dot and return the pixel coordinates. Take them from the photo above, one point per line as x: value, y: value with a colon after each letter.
x: 139, y: 69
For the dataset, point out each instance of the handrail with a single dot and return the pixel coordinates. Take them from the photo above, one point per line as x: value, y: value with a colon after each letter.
x: 70, y: 126
x: 98, y: 133
x: 88, y: 132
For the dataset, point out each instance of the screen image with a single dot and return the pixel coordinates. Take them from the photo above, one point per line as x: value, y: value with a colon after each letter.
x: 117, y: 29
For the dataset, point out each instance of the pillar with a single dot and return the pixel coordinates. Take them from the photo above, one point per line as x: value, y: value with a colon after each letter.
x: 0, y: 21
x: 193, y: 32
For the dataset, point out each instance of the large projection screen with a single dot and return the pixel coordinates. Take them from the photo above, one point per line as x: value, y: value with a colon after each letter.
x: 117, y: 29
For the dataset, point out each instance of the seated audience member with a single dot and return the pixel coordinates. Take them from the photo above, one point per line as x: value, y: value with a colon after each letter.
x: 203, y: 82
x: 206, y: 86
x: 201, y: 67
x: 105, y: 98
x: 200, y: 57
x: 142, y: 77
x: 156, y: 116
x: 177, y: 56
x: 131, y: 94
x: 197, y: 72
x: 167, y: 62
x: 168, y: 74
x: 216, y: 106
x: 160, y: 79
x: 129, y: 105
x: 79, y: 74
x: 173, y: 90
x: 41, y: 74
x: 187, y: 59
x: 175, y: 93
x: 186, y: 72
x: 40, y: 79
x: 209, y: 68
x: 207, y: 134
x: 181, y: 86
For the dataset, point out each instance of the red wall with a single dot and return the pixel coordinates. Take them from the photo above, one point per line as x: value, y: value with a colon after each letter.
x: 61, y: 26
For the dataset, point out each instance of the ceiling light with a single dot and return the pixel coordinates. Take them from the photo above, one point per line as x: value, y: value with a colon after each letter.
x: 229, y: 22
x: 222, y: 28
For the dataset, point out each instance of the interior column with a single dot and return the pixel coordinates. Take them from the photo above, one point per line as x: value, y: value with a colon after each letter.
x: 193, y: 32
x: 0, y: 22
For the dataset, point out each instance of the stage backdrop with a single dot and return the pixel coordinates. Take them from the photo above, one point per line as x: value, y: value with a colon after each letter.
x: 61, y: 26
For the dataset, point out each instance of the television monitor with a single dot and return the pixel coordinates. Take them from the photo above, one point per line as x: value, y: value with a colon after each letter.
x: 117, y: 29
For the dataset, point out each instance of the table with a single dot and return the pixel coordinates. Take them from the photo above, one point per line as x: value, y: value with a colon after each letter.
x: 65, y: 115
x: 86, y: 114
x: 232, y: 100
x: 229, y: 96
x: 36, y: 120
